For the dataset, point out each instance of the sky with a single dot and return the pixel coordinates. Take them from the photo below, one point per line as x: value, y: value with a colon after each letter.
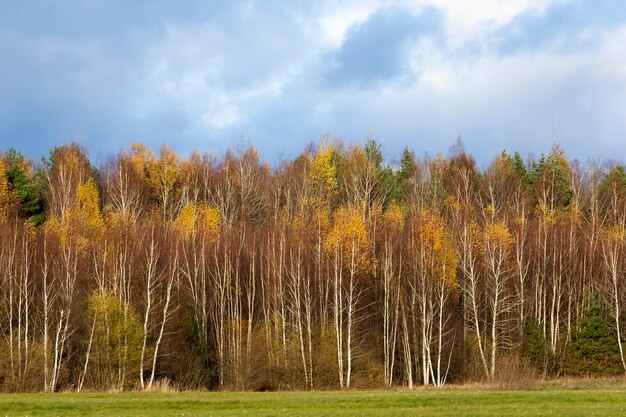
x: 279, y: 75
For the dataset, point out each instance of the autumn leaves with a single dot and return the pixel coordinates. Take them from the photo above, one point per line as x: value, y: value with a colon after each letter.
x: 330, y: 270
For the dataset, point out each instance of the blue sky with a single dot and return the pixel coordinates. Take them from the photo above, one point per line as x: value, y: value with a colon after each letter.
x: 512, y: 74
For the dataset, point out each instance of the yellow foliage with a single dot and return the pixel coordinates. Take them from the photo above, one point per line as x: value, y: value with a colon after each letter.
x: 614, y: 234
x: 437, y: 244
x: 82, y: 243
x: 394, y: 216
x: 549, y: 215
x: 30, y: 231
x: 446, y: 263
x: 350, y: 240
x: 83, y: 223
x: 160, y: 173
x: 297, y: 222
x: 186, y: 220
x: 320, y: 216
x: 141, y: 157
x: 502, y: 166
x: 163, y: 172
x: 498, y: 234
x: 194, y: 218
x: 4, y: 192
x: 452, y: 203
x: 375, y: 213
x: 116, y: 219
x: 323, y: 175
x: 474, y: 236
x: 430, y: 229
x: 210, y: 220
x: 89, y: 203
x: 55, y: 227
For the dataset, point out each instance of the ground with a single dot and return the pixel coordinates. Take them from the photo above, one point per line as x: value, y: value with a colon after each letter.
x: 547, y: 401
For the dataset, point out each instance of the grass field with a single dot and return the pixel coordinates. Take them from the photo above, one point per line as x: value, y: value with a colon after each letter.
x: 449, y: 402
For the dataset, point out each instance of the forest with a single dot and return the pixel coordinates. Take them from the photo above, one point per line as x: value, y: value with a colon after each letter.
x: 335, y: 269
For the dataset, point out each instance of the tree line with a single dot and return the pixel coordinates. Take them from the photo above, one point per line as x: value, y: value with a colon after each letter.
x: 331, y: 270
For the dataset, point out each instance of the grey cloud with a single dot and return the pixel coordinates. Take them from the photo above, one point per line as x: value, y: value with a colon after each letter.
x: 377, y: 50
x: 568, y: 25
x: 201, y: 77
x: 107, y: 78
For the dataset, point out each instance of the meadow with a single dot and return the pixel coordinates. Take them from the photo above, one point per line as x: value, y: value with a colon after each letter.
x: 459, y: 401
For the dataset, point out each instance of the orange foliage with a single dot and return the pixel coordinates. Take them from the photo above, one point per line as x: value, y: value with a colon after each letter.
x: 437, y: 243
x: 349, y: 239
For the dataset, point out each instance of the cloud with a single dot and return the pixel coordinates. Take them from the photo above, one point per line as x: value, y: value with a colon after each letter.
x: 521, y: 101
x: 376, y: 50
x: 502, y: 74
x: 566, y: 25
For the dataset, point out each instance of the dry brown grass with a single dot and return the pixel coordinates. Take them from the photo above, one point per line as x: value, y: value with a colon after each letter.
x: 162, y: 385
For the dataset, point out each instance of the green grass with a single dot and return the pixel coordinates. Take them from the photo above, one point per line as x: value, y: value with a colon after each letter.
x: 449, y: 402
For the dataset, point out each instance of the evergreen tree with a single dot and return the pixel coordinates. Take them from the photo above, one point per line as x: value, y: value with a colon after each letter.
x: 593, y: 350
x: 27, y: 186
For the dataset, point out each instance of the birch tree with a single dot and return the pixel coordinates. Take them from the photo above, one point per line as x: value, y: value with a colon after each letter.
x: 350, y: 251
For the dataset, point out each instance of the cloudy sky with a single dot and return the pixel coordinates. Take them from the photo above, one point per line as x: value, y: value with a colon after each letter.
x: 512, y: 74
